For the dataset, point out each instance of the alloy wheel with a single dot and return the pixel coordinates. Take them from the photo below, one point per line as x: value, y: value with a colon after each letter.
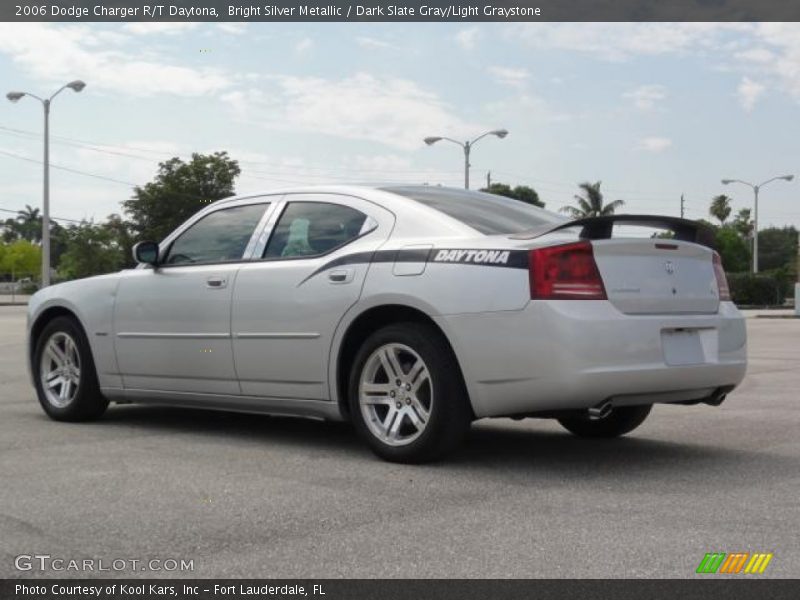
x: 60, y: 369
x: 395, y: 394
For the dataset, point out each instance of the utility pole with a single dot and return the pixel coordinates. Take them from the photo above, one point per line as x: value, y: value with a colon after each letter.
x: 488, y: 179
x: 682, y: 209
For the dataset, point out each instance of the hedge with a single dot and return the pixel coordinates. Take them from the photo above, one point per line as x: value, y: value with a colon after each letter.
x: 762, y: 289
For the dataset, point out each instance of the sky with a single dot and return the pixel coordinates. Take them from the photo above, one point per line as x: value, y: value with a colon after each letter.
x: 653, y: 110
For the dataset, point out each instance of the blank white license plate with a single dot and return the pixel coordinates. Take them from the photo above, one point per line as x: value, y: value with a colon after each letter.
x: 689, y: 346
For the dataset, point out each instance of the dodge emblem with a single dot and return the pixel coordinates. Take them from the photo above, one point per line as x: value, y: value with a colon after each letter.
x: 669, y: 267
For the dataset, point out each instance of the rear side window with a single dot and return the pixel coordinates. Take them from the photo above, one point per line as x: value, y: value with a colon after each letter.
x: 488, y: 213
x: 313, y: 228
x: 218, y: 237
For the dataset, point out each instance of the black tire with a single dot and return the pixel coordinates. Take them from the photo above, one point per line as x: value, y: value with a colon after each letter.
x: 86, y: 402
x: 449, y: 414
x: 619, y: 421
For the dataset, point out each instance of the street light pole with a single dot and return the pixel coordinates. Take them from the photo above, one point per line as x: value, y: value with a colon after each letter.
x: 75, y: 86
x: 467, y: 147
x: 466, y: 165
x: 756, y: 189
x: 46, y: 199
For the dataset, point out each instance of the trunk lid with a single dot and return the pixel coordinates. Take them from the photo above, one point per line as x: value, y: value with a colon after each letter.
x: 657, y: 276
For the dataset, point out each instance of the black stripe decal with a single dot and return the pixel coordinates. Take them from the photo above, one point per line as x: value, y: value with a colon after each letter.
x: 481, y: 257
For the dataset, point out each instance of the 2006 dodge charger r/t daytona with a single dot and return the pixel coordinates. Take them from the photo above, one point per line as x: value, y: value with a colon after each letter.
x: 409, y: 310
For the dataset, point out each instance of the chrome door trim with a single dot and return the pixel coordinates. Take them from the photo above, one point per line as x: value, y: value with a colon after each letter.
x: 183, y: 336
x: 277, y: 336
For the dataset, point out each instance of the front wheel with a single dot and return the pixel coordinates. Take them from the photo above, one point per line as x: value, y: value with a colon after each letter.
x: 407, y: 397
x: 64, y: 375
x: 619, y: 421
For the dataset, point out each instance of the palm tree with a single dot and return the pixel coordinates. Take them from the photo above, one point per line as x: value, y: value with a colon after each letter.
x: 720, y: 208
x: 30, y: 224
x: 591, y: 203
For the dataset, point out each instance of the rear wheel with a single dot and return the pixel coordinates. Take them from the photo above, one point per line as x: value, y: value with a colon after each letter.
x: 407, y: 398
x: 64, y: 375
x: 619, y: 421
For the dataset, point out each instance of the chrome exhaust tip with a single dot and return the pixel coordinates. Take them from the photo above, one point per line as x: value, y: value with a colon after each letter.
x: 600, y: 411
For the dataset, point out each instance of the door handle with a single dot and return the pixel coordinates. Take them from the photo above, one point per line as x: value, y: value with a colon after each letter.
x: 341, y: 276
x: 216, y: 283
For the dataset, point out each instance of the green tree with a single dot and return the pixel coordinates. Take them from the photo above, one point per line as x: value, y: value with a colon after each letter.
x: 10, y: 230
x: 30, y: 224
x: 123, y: 235
x: 523, y: 193
x: 92, y: 249
x: 22, y: 258
x: 591, y: 203
x: 59, y: 236
x: 178, y: 191
x: 777, y: 248
x: 743, y: 223
x: 733, y: 249
x: 720, y: 208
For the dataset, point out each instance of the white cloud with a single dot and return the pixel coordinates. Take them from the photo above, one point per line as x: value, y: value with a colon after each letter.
x: 655, y: 144
x: 232, y: 28
x: 304, y: 45
x: 756, y: 55
x: 371, y: 42
x: 622, y: 41
x: 767, y: 52
x: 468, y: 38
x: 396, y: 112
x: 162, y: 28
x: 47, y: 52
x: 510, y: 76
x: 784, y: 64
x: 646, y: 97
x: 749, y: 92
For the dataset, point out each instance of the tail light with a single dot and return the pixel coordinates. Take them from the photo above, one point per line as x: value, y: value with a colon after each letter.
x: 566, y: 272
x: 722, y: 280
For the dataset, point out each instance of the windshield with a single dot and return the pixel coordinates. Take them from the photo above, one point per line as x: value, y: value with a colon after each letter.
x: 488, y: 213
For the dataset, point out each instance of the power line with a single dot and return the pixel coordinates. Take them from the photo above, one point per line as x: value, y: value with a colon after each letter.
x: 99, y: 147
x: 16, y: 212
x: 67, y: 169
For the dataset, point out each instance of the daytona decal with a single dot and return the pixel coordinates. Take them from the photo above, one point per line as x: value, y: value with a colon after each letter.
x: 477, y: 257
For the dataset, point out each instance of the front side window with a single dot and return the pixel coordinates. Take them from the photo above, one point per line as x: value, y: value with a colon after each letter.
x: 218, y: 237
x: 314, y: 228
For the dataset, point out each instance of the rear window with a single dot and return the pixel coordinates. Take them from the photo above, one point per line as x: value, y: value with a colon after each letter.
x: 487, y: 213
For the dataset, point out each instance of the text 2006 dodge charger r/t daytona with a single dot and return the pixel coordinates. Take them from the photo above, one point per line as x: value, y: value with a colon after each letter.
x: 409, y: 310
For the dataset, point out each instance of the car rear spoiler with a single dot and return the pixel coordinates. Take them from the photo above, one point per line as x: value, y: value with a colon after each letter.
x: 600, y: 228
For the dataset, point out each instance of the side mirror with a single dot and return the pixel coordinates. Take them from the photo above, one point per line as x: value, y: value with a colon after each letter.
x: 146, y: 253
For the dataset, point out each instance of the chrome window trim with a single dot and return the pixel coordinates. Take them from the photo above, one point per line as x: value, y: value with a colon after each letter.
x: 262, y: 239
x: 322, y: 198
x: 166, y: 244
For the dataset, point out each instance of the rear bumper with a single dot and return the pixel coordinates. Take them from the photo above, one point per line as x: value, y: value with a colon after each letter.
x: 563, y: 355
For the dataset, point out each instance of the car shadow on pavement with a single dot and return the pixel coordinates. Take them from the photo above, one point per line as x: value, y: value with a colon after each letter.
x: 629, y: 459
x: 295, y: 431
x: 497, y: 446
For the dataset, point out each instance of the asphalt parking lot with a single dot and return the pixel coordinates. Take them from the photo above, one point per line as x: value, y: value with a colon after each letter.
x: 252, y: 496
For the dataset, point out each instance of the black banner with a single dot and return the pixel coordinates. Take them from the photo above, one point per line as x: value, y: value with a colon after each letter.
x: 397, y: 589
x: 401, y: 10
